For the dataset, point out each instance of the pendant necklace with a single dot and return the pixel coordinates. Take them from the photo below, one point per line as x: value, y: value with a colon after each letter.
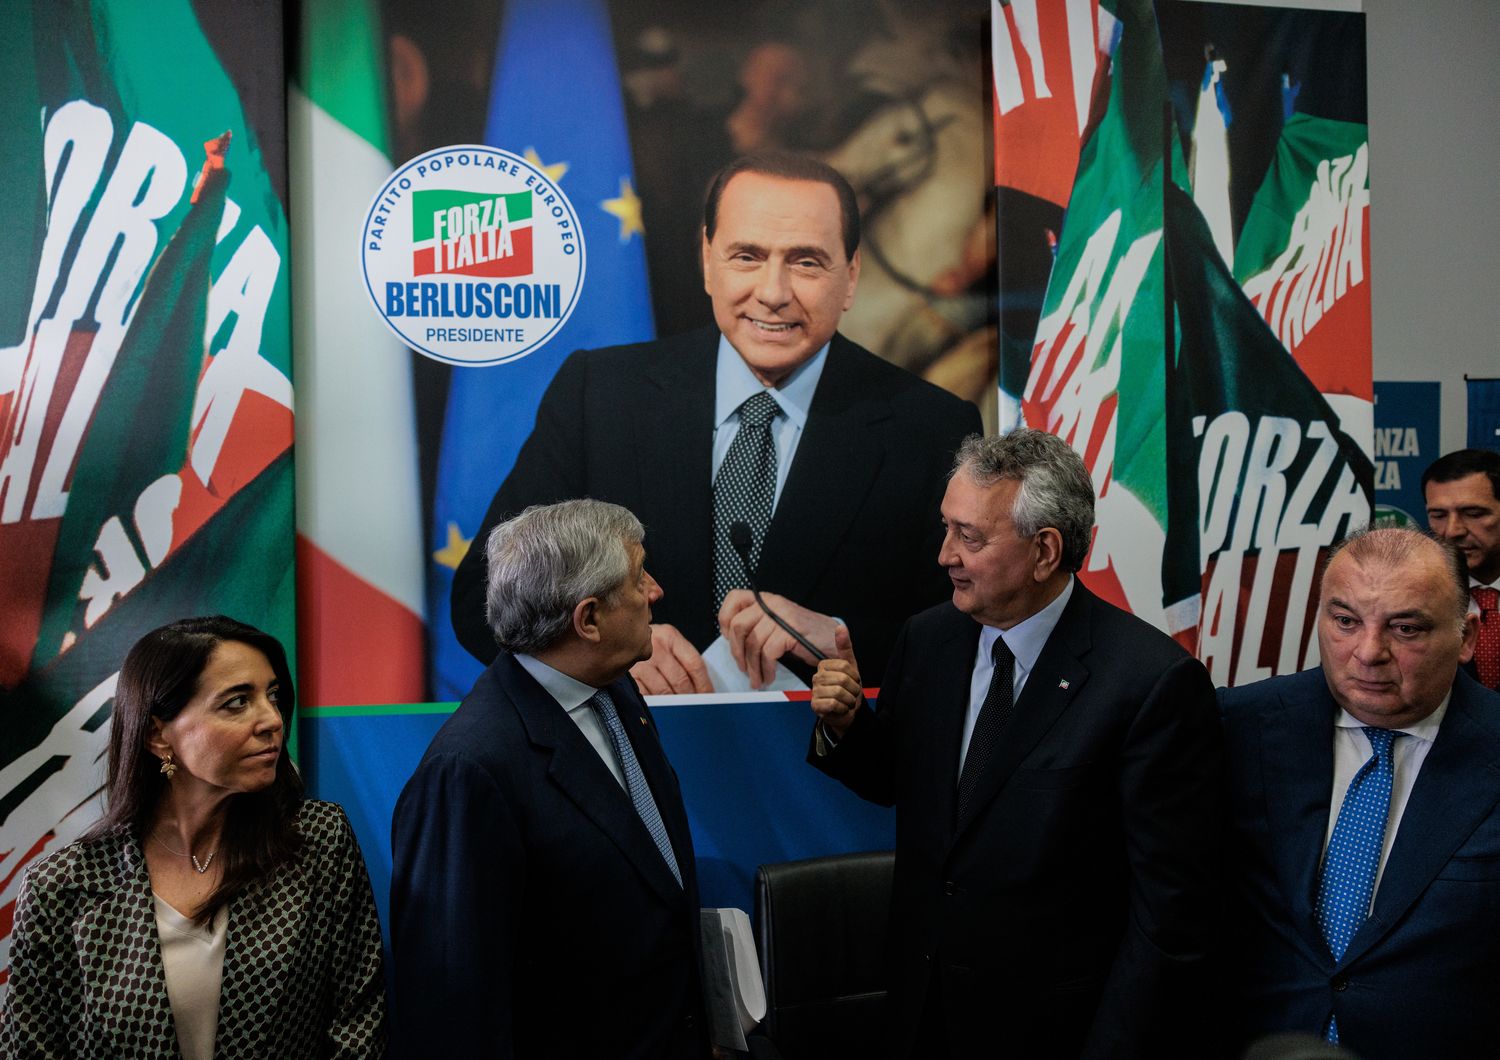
x: 200, y: 866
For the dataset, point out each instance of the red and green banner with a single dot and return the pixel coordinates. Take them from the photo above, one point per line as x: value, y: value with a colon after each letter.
x: 145, y: 392
x: 1204, y: 340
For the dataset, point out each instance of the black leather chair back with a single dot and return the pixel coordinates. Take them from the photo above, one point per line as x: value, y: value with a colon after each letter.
x: 820, y: 925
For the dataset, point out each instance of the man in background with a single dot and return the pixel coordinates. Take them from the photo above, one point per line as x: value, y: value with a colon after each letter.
x: 1462, y: 491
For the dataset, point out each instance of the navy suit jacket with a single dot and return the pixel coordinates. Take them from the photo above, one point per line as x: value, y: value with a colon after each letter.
x: 855, y: 534
x: 1071, y: 913
x: 1421, y: 978
x: 531, y: 913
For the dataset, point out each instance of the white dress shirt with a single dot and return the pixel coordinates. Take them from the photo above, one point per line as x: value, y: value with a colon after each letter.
x: 734, y: 383
x: 1351, y: 750
x: 573, y: 696
x: 1025, y: 639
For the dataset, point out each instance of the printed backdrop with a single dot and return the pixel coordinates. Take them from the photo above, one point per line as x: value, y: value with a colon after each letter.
x: 1155, y: 237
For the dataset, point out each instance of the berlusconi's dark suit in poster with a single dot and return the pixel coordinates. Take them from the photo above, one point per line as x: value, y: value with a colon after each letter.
x: 855, y: 532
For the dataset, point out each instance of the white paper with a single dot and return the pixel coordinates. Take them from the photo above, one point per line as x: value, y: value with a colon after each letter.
x: 727, y: 677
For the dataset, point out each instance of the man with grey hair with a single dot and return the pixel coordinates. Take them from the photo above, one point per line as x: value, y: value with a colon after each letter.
x: 1053, y: 764
x: 543, y: 896
x: 1365, y: 819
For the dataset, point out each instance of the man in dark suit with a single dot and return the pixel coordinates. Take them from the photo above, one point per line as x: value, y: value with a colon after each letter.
x: 1053, y: 763
x: 543, y: 897
x: 853, y: 457
x: 1366, y: 819
x: 1462, y: 492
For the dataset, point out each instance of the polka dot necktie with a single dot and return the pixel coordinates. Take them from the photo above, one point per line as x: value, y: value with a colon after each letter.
x: 1487, y: 651
x: 744, y: 491
x: 1354, y: 849
x: 635, y: 779
x: 990, y: 723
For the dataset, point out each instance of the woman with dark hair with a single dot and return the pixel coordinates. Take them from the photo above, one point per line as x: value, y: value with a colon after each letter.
x: 213, y: 911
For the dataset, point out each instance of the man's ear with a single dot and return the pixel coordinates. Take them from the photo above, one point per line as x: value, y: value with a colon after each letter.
x: 1470, y: 638
x: 1049, y: 549
x: 156, y: 741
x: 586, y: 619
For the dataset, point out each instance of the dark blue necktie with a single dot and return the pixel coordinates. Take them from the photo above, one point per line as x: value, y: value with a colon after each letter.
x: 994, y: 715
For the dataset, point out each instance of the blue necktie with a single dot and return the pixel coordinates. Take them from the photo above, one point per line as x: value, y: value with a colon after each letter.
x: 635, y: 780
x: 1353, y: 858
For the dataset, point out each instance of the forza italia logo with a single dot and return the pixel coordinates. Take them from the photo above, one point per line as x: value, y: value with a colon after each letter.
x: 472, y: 255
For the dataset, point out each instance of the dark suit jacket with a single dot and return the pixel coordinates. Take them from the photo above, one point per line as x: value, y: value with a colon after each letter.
x: 531, y: 913
x: 302, y: 957
x: 855, y: 533
x: 1069, y: 914
x: 1421, y: 977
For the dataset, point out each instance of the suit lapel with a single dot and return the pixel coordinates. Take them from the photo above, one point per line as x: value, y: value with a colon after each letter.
x: 950, y: 666
x: 838, y: 459
x: 1058, y: 677
x: 114, y: 925
x: 673, y: 430
x: 1457, y: 789
x: 1297, y: 763
x: 577, y: 771
x: 265, y: 922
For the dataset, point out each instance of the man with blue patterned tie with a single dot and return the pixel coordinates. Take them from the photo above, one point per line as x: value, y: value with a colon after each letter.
x: 1365, y: 795
x: 543, y: 897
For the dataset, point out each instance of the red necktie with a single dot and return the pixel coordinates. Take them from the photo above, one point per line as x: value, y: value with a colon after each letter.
x: 1487, y: 653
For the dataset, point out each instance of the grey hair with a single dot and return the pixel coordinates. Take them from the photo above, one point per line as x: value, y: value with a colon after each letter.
x: 1394, y: 546
x: 1055, y: 491
x: 545, y: 560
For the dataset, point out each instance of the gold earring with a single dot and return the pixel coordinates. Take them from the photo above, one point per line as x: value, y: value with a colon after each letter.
x: 168, y: 766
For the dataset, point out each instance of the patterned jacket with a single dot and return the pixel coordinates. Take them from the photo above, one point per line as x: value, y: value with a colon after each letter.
x: 302, y: 961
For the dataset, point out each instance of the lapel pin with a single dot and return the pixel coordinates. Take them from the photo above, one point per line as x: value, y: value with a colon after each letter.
x: 643, y: 722
x: 1063, y: 683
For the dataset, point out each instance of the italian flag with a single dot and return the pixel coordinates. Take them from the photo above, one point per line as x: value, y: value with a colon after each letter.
x: 359, y: 541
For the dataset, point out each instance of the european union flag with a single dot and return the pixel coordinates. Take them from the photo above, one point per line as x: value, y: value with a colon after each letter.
x: 555, y: 99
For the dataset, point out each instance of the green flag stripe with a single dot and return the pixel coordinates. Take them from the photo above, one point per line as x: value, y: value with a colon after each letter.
x: 338, y: 65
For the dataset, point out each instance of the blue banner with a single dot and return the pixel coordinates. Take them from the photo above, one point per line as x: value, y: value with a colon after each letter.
x: 1407, y: 439
x: 751, y: 797
x: 1484, y: 413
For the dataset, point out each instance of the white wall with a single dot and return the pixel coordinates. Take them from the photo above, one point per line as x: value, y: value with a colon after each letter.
x: 1434, y: 91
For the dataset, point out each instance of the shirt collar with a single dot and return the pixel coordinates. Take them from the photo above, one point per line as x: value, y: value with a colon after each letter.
x: 1475, y: 583
x: 1027, y: 638
x: 1426, y: 729
x: 734, y: 382
x: 569, y: 692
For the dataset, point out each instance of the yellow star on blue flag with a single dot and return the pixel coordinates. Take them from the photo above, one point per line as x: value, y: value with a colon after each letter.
x: 554, y: 172
x: 628, y: 209
x: 453, y: 552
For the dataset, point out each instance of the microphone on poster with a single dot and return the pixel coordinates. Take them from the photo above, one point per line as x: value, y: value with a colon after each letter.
x: 742, y: 540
